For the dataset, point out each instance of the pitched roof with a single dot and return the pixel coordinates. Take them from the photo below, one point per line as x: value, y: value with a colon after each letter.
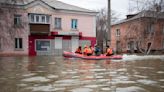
x: 52, y: 3
x: 148, y: 14
x: 60, y: 5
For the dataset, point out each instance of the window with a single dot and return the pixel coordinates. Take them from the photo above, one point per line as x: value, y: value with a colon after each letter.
x: 17, y: 19
x: 150, y: 28
x: 39, y: 18
x: 43, y: 19
x: 47, y: 19
x: 58, y: 23
x: 163, y: 44
x: 18, y: 43
x: 42, y: 45
x: 0, y: 43
x: 118, y: 32
x: 128, y: 46
x: 163, y: 29
x: 74, y: 24
x: 32, y: 18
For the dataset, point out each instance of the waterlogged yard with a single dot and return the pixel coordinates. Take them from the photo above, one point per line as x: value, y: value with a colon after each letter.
x: 57, y: 74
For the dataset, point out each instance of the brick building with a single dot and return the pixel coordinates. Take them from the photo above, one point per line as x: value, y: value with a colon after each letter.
x: 139, y: 32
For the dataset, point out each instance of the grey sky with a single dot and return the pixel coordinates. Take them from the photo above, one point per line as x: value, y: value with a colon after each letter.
x: 120, y: 6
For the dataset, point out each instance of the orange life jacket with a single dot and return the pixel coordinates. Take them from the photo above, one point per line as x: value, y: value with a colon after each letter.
x: 109, y: 51
x: 85, y: 51
x: 89, y: 51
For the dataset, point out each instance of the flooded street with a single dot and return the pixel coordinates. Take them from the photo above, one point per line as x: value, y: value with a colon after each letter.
x: 58, y: 74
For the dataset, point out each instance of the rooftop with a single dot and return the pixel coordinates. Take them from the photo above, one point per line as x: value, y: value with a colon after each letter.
x: 148, y: 14
x: 52, y: 3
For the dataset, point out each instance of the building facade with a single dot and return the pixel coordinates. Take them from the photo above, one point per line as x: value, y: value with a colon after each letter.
x: 138, y: 33
x: 46, y: 27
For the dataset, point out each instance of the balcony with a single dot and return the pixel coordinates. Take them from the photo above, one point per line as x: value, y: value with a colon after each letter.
x: 39, y: 19
x: 39, y: 29
x: 39, y: 23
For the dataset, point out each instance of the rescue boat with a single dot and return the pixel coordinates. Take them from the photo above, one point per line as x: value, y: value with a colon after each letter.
x: 101, y: 57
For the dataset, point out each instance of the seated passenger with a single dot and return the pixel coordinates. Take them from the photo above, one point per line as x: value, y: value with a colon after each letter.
x: 97, y: 50
x: 109, y: 51
x: 92, y: 49
x: 87, y: 51
x: 78, y: 50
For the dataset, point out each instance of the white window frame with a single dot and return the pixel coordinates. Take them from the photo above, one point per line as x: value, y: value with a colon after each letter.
x: 118, y: 32
x: 18, y: 44
x: 58, y: 23
x: 37, y: 21
x: 31, y: 18
x: 42, y: 40
x: 40, y: 17
x: 43, y: 18
x: 18, y: 21
x: 74, y: 26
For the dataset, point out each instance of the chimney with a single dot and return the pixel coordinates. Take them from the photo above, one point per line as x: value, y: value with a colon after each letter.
x: 130, y: 16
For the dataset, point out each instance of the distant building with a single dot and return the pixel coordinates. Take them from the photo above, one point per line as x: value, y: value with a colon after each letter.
x: 139, y: 32
x: 45, y: 27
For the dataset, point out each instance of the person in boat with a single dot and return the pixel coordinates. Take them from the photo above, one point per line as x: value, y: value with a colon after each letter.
x: 109, y: 51
x: 87, y: 51
x: 92, y: 49
x: 78, y: 50
x: 97, y: 50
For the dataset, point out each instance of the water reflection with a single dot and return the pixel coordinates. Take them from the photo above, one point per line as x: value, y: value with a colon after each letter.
x: 58, y: 74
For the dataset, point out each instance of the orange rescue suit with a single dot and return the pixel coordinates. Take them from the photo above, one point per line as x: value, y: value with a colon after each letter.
x: 109, y: 51
x: 87, y: 51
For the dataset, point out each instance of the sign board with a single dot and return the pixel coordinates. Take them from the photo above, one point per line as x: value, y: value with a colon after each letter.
x: 69, y: 33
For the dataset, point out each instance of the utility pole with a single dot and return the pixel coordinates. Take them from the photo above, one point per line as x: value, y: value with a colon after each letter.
x: 108, y: 31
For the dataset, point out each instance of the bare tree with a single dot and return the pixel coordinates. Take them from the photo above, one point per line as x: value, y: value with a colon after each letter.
x: 142, y: 31
x: 101, y: 26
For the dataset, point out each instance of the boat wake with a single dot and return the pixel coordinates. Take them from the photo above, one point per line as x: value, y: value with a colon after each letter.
x: 143, y: 57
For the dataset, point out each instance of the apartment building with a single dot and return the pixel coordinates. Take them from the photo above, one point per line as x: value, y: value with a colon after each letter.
x: 45, y: 27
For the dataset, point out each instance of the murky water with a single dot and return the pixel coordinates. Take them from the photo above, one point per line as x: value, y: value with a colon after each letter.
x: 57, y: 74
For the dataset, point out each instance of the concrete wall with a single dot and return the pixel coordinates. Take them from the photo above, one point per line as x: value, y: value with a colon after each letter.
x: 86, y: 22
x: 8, y: 32
x: 86, y: 25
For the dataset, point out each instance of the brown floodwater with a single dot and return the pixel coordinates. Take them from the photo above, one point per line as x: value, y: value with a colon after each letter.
x: 57, y: 74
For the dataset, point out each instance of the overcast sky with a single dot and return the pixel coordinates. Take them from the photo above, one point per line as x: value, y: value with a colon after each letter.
x: 120, y: 6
